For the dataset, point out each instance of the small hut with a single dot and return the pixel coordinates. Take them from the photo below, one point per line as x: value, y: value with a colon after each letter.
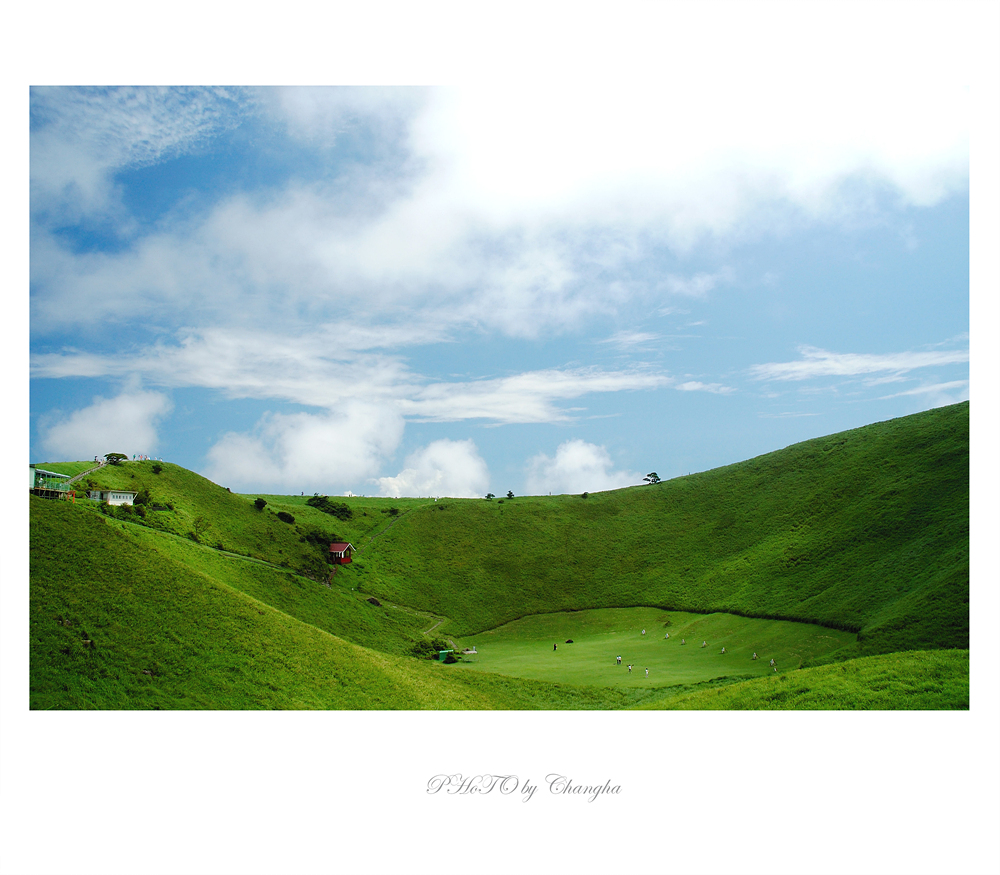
x: 340, y: 554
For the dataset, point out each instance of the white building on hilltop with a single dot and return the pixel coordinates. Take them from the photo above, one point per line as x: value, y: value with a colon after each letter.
x: 112, y: 496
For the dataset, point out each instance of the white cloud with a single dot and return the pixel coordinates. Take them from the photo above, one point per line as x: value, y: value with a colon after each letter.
x: 321, y: 369
x: 80, y: 136
x: 444, y: 467
x: 321, y: 114
x: 695, y: 386
x: 696, y: 286
x: 938, y: 394
x: 578, y: 466
x: 507, y: 206
x: 704, y: 157
x: 631, y: 339
x: 306, y: 452
x: 527, y: 397
x: 124, y: 424
x: 820, y: 363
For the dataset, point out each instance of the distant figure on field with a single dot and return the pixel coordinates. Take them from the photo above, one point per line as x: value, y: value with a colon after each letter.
x: 772, y: 662
x: 618, y: 660
x: 723, y: 649
x: 630, y: 668
x: 754, y: 656
x: 643, y: 631
x: 554, y: 646
x: 667, y: 635
x: 704, y: 644
x: 683, y: 641
x: 647, y: 672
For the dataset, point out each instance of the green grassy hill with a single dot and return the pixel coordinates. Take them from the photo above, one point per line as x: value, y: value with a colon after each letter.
x: 865, y: 530
x: 198, y: 599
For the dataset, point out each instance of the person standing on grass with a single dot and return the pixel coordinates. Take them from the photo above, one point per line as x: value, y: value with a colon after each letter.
x: 555, y: 646
x: 754, y: 655
x: 723, y: 649
x: 647, y: 672
x: 772, y: 662
x: 667, y: 635
x: 643, y: 631
x: 630, y: 668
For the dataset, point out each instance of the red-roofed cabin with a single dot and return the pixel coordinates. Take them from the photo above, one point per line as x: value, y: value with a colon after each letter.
x: 340, y: 554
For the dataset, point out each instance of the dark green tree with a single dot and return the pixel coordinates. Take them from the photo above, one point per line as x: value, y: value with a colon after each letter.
x: 115, y: 458
x: 260, y: 504
x: 651, y: 478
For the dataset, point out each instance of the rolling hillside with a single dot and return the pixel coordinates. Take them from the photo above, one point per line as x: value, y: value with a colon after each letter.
x: 865, y: 530
x: 201, y: 600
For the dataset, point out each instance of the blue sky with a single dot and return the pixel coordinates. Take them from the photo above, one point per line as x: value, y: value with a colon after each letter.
x: 549, y: 286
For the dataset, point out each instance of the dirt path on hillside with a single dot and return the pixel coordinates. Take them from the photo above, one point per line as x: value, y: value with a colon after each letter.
x: 432, y: 628
x: 417, y: 613
x: 379, y: 534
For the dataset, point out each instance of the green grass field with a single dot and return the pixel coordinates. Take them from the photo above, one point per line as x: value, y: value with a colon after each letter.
x: 845, y: 558
x: 524, y: 648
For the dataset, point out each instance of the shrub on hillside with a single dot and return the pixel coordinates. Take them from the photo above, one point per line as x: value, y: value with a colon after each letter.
x: 260, y: 504
x: 123, y: 511
x: 320, y: 539
x: 338, y: 509
x: 285, y: 517
x: 428, y: 648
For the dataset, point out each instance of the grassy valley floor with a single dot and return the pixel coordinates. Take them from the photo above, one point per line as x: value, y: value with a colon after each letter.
x: 525, y: 648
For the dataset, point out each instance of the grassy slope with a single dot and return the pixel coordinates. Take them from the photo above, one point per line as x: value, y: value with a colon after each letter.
x: 69, y: 468
x: 865, y: 530
x: 333, y: 609
x: 205, y: 644
x: 912, y: 680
